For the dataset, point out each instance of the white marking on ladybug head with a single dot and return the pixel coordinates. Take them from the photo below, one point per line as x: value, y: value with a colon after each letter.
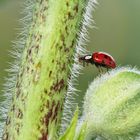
x: 88, y: 57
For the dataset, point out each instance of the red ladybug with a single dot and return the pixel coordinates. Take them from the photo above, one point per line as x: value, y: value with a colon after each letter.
x: 100, y: 59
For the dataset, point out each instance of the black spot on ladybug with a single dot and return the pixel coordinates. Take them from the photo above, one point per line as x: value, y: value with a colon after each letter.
x: 103, y: 62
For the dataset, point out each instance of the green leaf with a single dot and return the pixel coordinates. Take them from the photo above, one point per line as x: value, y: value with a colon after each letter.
x: 71, y: 130
x: 82, y: 133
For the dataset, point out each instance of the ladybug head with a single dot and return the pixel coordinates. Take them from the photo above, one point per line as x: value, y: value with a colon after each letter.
x: 86, y: 58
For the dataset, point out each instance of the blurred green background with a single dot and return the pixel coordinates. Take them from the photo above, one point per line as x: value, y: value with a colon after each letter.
x: 117, y: 32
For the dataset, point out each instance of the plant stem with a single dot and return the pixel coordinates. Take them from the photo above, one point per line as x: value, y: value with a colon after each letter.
x: 41, y: 85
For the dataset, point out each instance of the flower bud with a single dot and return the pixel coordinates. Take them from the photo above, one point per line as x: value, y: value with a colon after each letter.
x: 112, y: 106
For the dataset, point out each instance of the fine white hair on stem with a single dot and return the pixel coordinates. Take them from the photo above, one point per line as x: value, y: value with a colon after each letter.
x: 16, y: 54
x: 70, y: 105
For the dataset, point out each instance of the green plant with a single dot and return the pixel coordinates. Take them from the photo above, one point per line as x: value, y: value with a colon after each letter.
x: 41, y: 92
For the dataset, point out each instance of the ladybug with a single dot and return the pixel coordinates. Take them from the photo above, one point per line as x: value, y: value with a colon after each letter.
x: 99, y: 59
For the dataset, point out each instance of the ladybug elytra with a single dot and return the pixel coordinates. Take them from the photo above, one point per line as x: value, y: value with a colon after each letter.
x: 99, y: 59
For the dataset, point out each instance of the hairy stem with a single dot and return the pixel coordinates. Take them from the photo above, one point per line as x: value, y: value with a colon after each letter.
x: 41, y: 84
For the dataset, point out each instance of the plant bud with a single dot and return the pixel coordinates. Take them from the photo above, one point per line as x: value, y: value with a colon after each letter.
x: 112, y: 106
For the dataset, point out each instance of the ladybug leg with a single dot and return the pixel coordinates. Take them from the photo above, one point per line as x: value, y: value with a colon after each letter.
x: 83, y: 64
x: 107, y: 70
x: 99, y: 68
